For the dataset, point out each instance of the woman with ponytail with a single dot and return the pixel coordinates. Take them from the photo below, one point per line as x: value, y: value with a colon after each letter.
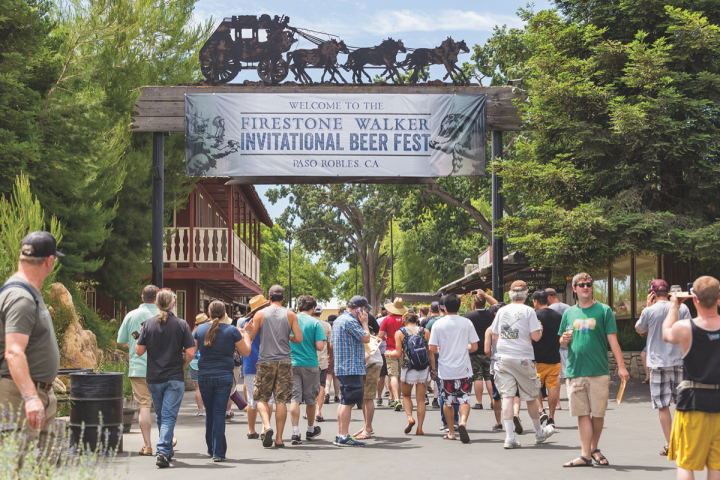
x: 216, y: 342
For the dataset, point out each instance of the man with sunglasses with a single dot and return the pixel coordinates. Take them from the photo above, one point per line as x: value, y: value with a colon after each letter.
x: 587, y: 329
x: 29, y: 354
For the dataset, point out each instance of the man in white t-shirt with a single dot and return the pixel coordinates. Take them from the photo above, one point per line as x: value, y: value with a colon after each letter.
x: 664, y: 360
x: 453, y: 337
x: 515, y: 328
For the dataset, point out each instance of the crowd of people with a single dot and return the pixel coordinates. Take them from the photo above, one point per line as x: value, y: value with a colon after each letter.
x: 277, y: 356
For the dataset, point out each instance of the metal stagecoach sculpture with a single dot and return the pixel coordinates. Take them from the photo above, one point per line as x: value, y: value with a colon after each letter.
x: 248, y: 41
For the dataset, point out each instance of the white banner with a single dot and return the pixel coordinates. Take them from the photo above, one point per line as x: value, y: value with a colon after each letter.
x: 373, y: 135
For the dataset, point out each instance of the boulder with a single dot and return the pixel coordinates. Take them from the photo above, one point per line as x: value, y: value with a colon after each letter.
x: 114, y: 355
x: 78, y: 347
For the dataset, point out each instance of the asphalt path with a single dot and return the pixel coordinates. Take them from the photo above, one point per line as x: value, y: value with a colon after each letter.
x: 631, y: 441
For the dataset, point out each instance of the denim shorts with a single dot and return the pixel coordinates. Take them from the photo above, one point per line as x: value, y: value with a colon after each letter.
x: 351, y: 389
x: 194, y: 374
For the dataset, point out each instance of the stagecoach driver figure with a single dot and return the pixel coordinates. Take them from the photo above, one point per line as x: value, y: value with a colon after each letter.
x: 28, y: 347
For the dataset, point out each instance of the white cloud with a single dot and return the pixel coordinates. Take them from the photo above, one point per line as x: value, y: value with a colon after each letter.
x: 395, y: 21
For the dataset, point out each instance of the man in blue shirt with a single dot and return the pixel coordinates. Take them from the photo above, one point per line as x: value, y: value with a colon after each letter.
x: 350, y: 331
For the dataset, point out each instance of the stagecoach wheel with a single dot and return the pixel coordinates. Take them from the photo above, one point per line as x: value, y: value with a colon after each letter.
x: 272, y: 72
x: 220, y: 69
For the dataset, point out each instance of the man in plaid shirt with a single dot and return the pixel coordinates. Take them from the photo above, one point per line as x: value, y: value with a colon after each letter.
x: 349, y: 333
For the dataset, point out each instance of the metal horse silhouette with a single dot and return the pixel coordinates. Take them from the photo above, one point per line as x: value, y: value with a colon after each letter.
x: 325, y: 56
x: 446, y: 54
x: 384, y: 54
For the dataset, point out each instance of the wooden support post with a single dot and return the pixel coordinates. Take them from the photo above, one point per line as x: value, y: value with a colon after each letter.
x: 158, y: 207
x: 231, y: 216
x: 497, y: 213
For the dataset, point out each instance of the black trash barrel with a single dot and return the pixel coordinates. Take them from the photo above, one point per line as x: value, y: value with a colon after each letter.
x: 92, y: 393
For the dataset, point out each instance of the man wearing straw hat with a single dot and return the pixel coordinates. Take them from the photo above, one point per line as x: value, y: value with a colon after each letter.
x: 390, y: 325
x: 257, y: 303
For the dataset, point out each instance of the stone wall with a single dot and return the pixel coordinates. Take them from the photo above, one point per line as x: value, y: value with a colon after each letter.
x: 633, y: 363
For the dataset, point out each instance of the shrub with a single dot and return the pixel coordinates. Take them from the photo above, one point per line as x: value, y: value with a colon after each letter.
x: 628, y: 338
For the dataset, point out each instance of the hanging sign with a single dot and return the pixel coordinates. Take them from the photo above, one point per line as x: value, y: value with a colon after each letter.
x: 353, y: 135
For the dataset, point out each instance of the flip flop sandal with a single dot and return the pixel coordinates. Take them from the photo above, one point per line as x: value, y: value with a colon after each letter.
x: 599, y: 460
x: 305, y: 416
x: 268, y: 438
x: 362, y: 436
x: 587, y: 463
x: 445, y: 437
x: 409, y: 426
x: 319, y: 418
x: 253, y: 436
x: 664, y: 451
x: 279, y: 445
x: 464, y: 437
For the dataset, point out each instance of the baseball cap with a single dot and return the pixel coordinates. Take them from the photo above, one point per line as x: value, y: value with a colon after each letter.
x: 518, y: 286
x: 659, y: 285
x: 359, y: 301
x: 276, y: 291
x: 318, y: 310
x: 441, y: 302
x: 39, y: 244
x: 434, y: 307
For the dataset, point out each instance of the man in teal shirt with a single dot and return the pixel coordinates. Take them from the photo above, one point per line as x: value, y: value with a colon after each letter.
x: 587, y: 329
x: 306, y: 370
x: 128, y: 334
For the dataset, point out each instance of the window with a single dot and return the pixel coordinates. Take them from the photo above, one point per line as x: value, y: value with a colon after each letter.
x: 622, y: 287
x: 200, y: 211
x: 262, y: 35
x: 180, y: 303
x: 600, y: 286
x: 645, y: 273
x: 246, y: 33
x: 90, y: 295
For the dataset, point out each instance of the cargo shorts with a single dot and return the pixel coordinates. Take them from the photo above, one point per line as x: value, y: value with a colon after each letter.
x: 273, y: 378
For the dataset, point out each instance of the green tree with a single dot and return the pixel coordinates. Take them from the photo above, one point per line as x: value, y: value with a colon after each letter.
x: 19, y: 215
x: 346, y: 220
x: 621, y: 154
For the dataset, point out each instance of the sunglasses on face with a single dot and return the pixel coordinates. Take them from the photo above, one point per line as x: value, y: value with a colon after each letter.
x: 584, y: 285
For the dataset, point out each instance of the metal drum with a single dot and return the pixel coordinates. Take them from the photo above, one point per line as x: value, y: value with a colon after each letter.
x: 93, y: 393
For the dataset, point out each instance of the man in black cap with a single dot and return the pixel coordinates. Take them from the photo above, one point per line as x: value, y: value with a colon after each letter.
x: 27, y: 340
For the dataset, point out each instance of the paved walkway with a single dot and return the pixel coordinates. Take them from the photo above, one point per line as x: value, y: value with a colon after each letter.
x: 631, y: 441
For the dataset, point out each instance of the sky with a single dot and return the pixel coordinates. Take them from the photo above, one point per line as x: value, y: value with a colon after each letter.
x: 418, y: 23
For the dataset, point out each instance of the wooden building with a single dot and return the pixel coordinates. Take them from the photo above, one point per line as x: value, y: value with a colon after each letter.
x: 212, y: 251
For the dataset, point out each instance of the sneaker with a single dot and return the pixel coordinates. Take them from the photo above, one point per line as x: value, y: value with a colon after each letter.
x: 327, y: 398
x: 456, y: 427
x: 296, y: 440
x: 443, y: 428
x: 543, y: 417
x: 200, y: 413
x: 435, y: 403
x: 398, y: 406
x: 162, y: 461
x: 427, y: 401
x: 359, y: 406
x: 497, y: 427
x: 336, y: 399
x: 518, y: 425
x: 544, y: 434
x: 379, y: 402
x: 229, y: 416
x: 429, y: 389
x: 218, y: 460
x: 478, y: 406
x: 387, y: 394
x: 316, y: 432
x: 550, y: 422
x: 348, y: 441
x: 511, y: 444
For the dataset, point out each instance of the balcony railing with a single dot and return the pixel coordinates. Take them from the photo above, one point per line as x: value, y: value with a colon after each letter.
x: 210, y: 246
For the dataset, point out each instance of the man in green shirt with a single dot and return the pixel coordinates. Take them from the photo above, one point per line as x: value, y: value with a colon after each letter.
x: 306, y: 370
x: 128, y: 334
x: 587, y: 329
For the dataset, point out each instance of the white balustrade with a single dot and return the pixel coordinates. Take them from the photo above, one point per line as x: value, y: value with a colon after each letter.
x: 210, y: 245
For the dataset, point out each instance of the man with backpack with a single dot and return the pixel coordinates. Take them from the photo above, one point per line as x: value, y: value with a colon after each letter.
x: 418, y: 367
x: 453, y: 337
x: 31, y: 358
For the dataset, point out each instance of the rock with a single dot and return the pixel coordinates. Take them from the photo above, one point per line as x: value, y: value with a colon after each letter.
x: 59, y: 386
x: 634, y: 370
x: 114, y: 355
x: 78, y: 347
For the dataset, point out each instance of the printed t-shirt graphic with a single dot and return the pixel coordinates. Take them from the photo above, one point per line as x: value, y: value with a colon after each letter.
x: 587, y: 351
